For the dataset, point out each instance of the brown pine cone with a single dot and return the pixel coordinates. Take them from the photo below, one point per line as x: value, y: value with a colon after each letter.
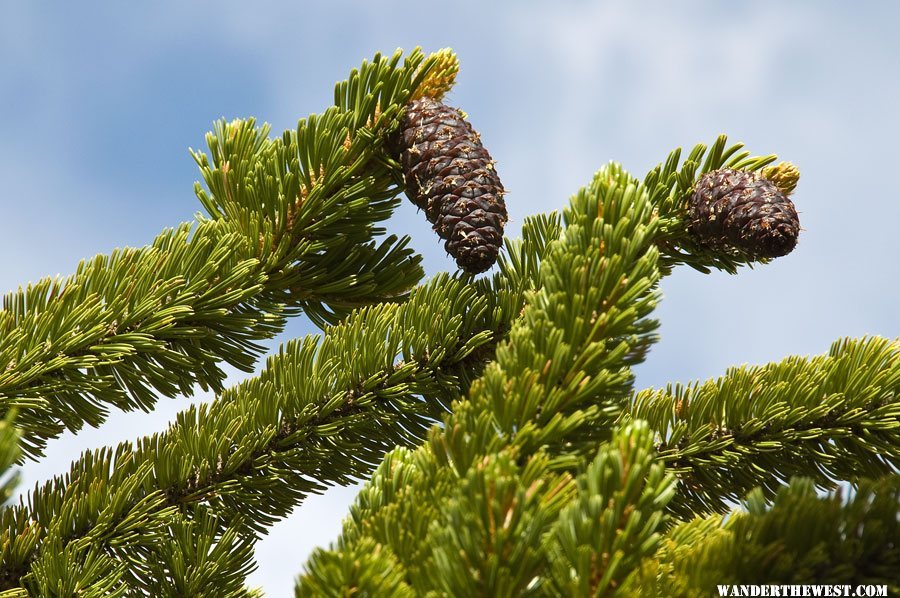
x: 736, y: 209
x: 451, y: 176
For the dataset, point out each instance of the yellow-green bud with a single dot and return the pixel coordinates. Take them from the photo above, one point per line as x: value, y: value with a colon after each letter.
x: 440, y: 77
x: 785, y: 176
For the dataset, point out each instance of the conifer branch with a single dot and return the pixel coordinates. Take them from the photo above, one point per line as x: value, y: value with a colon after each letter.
x: 297, y: 418
x: 800, y: 538
x: 129, y: 324
x: 291, y: 230
x: 9, y: 453
x: 317, y: 416
x: 549, y: 475
x: 367, y: 569
x: 670, y: 184
x: 486, y: 541
x: 558, y: 383
x: 506, y: 528
x: 202, y: 556
x: 616, y: 520
x: 577, y: 339
x: 829, y: 418
x: 187, y: 556
x: 310, y: 420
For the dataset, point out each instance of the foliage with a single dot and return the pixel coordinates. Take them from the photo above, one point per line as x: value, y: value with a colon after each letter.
x: 506, y: 449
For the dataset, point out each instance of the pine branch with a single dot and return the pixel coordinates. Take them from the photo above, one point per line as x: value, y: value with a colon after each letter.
x: 832, y: 417
x: 560, y: 381
x: 670, y: 184
x: 615, y: 521
x: 486, y: 540
x: 801, y: 538
x: 195, y: 556
x: 299, y: 418
x: 293, y: 220
x: 507, y: 529
x: 576, y: 341
x: 85, y: 566
x: 201, y: 556
x: 75, y: 571
x: 9, y: 453
x: 310, y: 420
x: 369, y: 569
x: 129, y: 324
x: 242, y: 465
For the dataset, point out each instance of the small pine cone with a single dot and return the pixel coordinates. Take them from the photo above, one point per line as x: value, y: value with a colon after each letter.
x: 737, y: 209
x: 451, y: 176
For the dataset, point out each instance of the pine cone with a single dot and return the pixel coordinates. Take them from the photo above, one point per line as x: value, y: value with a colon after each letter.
x: 451, y: 176
x: 736, y: 209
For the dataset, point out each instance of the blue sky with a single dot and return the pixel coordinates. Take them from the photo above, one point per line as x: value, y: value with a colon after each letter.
x: 99, y: 103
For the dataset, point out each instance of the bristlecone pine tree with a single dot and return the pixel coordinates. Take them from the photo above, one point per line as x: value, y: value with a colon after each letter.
x: 548, y: 472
